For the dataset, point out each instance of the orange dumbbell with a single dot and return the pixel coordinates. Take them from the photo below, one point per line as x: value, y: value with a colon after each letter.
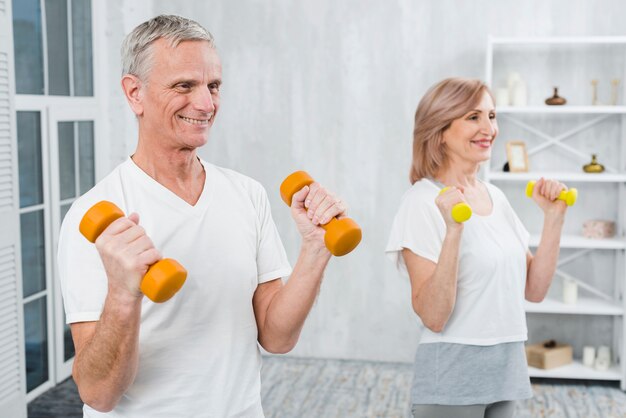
x: 342, y: 235
x: 162, y: 280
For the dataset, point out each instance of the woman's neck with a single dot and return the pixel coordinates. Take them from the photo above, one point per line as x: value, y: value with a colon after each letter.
x: 459, y: 174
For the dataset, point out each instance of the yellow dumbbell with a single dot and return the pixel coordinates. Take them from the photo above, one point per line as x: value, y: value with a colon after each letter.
x: 461, y: 212
x: 569, y: 196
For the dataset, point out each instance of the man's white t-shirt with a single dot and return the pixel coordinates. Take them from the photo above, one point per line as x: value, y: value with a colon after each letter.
x: 198, y: 352
x: 491, y: 276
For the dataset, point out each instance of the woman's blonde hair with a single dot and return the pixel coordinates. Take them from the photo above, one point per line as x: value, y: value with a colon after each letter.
x: 444, y: 102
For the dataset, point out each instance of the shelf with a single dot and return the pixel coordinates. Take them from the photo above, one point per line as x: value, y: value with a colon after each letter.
x: 584, y: 306
x: 559, y: 175
x: 577, y: 370
x: 566, y: 109
x: 573, y: 40
x: 550, y: 127
x: 578, y: 241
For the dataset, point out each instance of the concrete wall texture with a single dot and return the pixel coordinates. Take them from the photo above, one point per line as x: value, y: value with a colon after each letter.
x: 331, y: 87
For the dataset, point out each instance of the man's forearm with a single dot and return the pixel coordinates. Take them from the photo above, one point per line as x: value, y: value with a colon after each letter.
x: 292, y: 303
x: 107, y: 363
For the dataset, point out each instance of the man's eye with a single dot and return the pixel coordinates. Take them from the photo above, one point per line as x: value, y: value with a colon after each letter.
x: 214, y: 87
x: 183, y: 86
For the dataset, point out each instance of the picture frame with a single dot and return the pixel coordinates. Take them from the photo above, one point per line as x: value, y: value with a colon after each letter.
x: 517, y: 156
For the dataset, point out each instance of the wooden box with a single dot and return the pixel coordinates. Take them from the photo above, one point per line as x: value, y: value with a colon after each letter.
x: 548, y: 354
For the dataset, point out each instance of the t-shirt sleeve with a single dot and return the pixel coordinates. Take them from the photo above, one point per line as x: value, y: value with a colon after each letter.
x: 81, y: 272
x: 417, y: 226
x: 271, y: 258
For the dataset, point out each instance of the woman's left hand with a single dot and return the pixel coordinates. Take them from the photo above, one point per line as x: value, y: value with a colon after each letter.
x: 546, y: 193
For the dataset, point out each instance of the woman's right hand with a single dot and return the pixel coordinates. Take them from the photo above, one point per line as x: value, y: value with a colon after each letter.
x: 446, y: 201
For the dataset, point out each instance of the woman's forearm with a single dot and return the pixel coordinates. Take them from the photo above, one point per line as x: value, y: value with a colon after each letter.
x: 435, y: 301
x: 543, y: 265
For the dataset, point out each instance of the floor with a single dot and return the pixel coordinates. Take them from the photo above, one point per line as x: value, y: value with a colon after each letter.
x: 313, y: 388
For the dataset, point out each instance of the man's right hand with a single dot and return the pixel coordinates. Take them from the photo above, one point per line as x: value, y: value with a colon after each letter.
x: 127, y: 253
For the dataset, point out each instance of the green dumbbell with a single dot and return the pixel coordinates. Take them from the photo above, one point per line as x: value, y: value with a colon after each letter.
x: 461, y: 212
x: 569, y: 196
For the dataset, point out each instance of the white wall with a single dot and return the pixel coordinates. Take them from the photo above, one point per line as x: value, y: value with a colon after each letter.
x: 331, y: 87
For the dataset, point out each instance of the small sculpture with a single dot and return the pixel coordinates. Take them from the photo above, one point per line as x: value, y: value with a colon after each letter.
x: 594, y: 93
x: 556, y: 100
x: 614, y: 90
x: 593, y: 166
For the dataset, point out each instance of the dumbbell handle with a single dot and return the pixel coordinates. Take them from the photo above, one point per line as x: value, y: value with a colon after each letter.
x: 162, y: 280
x: 342, y: 235
x: 568, y: 196
x: 461, y: 212
x: 288, y: 187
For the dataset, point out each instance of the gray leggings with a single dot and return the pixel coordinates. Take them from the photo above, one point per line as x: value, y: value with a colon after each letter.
x: 504, y: 409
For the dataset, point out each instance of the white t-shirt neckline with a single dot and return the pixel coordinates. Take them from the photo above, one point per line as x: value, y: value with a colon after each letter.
x: 168, y: 195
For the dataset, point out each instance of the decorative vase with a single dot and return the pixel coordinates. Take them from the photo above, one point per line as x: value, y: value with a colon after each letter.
x: 556, y: 100
x: 593, y: 166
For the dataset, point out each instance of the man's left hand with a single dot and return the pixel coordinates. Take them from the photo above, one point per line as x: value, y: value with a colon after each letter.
x: 312, y: 207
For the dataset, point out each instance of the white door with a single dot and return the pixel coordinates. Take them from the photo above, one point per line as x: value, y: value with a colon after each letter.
x: 53, y: 68
x: 12, y: 375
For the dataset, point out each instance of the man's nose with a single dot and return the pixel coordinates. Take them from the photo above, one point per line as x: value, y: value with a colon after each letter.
x: 204, y: 100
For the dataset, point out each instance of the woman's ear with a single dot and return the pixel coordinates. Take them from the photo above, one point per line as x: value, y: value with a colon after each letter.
x: 131, y: 85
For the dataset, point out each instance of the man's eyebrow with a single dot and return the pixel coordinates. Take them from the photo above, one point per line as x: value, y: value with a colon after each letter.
x: 192, y: 82
x: 183, y: 80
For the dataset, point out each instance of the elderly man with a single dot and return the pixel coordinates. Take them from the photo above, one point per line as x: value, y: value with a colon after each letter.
x: 195, y: 355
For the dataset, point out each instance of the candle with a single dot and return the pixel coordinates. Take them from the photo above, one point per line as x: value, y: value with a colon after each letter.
x: 502, y: 97
x: 570, y: 291
x: 519, y: 94
x: 603, y: 360
x: 589, y: 355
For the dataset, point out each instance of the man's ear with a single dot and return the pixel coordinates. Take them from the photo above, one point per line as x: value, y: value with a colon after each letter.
x: 131, y: 85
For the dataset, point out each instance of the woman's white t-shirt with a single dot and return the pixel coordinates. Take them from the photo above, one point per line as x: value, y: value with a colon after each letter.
x: 491, y: 276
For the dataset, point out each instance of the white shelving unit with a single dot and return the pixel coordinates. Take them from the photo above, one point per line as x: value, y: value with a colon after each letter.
x: 581, y: 59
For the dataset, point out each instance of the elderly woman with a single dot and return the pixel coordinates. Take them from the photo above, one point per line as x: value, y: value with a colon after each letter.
x: 469, y: 280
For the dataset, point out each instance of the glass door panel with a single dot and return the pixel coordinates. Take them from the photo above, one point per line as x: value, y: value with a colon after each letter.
x: 34, y: 248
x: 36, y: 337
x: 73, y: 167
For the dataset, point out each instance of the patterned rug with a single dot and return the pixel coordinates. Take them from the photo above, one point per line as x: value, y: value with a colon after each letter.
x: 314, y: 388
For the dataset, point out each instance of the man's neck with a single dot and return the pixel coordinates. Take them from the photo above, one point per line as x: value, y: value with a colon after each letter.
x: 179, y: 171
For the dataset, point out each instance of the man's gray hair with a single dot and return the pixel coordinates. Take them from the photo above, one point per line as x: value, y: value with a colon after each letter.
x: 136, y: 48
